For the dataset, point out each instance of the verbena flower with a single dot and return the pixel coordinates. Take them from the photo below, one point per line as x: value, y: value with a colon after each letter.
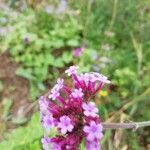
x: 48, y: 121
x: 90, y: 109
x: 45, y: 141
x: 72, y: 112
x: 72, y: 70
x: 65, y: 124
x: 77, y: 93
x: 94, y: 131
x: 78, y: 51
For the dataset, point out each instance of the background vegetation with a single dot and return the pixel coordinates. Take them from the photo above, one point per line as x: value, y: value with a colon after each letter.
x: 40, y: 37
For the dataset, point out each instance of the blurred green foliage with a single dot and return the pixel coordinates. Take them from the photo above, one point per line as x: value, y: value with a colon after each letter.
x: 41, y: 45
x: 27, y: 138
x: 7, y: 103
x: 116, y: 36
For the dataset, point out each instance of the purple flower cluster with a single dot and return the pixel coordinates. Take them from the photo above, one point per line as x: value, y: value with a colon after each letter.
x: 71, y: 112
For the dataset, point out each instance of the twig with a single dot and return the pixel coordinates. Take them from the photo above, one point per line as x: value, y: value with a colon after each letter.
x: 130, y: 125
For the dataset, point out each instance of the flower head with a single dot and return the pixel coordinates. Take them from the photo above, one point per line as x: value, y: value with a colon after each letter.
x: 72, y: 113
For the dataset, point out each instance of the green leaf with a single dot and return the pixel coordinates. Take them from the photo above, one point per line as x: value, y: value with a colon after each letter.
x: 67, y: 57
x: 7, y: 103
x: 24, y: 138
x: 25, y: 73
x: 58, y: 63
x: 73, y: 43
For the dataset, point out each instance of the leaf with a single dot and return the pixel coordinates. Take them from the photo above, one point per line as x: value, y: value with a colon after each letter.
x: 23, y: 138
x: 34, y: 91
x: 49, y: 59
x: 58, y: 63
x: 73, y: 43
x: 7, y: 103
x: 25, y: 73
x: 67, y: 57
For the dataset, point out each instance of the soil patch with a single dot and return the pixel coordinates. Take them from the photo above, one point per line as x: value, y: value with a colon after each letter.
x: 16, y: 89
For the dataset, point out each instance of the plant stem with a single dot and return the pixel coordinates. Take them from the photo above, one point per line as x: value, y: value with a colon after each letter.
x: 114, y: 13
x: 130, y: 125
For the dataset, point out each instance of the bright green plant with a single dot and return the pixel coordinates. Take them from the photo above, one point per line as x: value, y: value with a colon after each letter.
x: 41, y: 45
x: 27, y: 138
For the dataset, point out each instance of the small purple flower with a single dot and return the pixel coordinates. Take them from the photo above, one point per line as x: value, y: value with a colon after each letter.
x: 48, y: 121
x: 46, y: 143
x: 54, y: 92
x: 60, y: 83
x: 65, y: 124
x: 92, y: 145
x: 72, y: 70
x: 94, y: 131
x: 43, y: 103
x: 54, y: 146
x: 26, y: 40
x: 88, y: 77
x: 90, y: 109
x: 101, y: 78
x: 77, y: 93
x: 78, y: 51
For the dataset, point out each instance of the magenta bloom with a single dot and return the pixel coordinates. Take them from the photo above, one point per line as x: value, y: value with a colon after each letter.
x: 72, y: 70
x: 94, y: 131
x: 45, y: 141
x: 78, y: 51
x: 48, y: 121
x: 60, y: 83
x: 72, y: 112
x: 90, y: 109
x: 77, y: 93
x: 92, y: 145
x: 55, y: 92
x: 47, y: 146
x: 43, y: 103
x: 65, y: 124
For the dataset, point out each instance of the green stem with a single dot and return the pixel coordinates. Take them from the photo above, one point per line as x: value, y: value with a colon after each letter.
x: 114, y: 13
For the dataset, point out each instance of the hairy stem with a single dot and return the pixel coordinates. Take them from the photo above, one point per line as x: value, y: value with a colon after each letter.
x: 130, y: 125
